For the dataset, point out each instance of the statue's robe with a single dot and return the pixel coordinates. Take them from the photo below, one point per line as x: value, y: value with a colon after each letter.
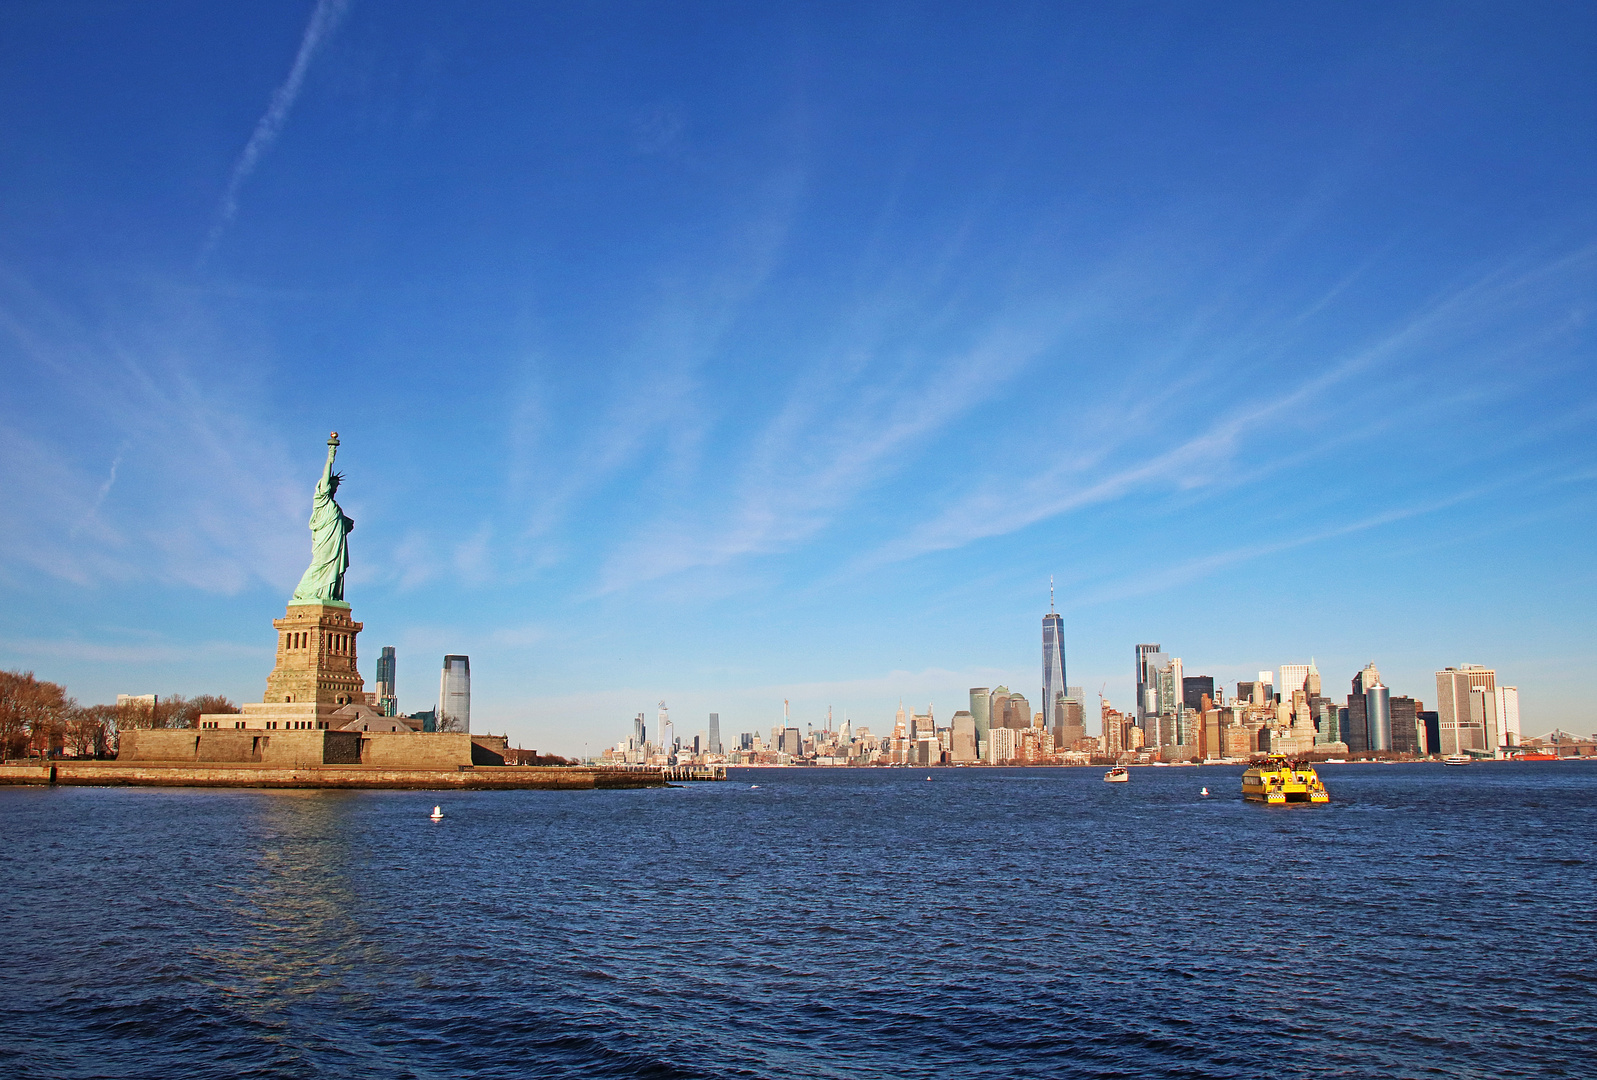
x: 324, y: 579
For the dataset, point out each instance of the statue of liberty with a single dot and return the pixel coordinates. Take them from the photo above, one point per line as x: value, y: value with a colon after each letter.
x: 324, y: 579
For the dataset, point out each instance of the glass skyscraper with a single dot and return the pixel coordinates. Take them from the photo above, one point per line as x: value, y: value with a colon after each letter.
x: 1054, y: 690
x: 387, y: 699
x: 715, y: 733
x: 1150, y: 658
x: 454, y: 694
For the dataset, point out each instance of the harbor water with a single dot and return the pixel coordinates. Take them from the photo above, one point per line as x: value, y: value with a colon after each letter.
x: 810, y: 923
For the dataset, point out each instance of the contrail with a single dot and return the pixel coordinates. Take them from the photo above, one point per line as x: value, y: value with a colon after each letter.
x: 324, y: 20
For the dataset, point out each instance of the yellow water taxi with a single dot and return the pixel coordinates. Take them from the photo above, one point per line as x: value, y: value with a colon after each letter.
x: 1280, y: 780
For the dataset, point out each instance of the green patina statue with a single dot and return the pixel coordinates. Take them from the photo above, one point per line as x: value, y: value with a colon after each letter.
x: 324, y: 580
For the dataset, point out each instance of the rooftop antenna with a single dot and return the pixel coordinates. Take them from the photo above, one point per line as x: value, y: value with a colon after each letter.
x: 1050, y: 594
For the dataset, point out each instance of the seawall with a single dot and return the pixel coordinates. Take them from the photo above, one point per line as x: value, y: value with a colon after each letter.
x: 247, y: 775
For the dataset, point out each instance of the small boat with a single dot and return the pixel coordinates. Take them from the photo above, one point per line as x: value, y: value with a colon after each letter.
x: 1278, y: 780
x: 1117, y: 775
x: 437, y: 814
x: 1456, y: 759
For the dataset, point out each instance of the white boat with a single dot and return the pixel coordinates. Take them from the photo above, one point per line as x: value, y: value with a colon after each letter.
x: 1456, y: 759
x: 1117, y: 775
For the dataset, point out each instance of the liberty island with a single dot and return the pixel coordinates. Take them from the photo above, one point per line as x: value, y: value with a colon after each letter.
x: 316, y: 726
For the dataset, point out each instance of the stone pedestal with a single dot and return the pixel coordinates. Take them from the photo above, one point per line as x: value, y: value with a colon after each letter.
x: 316, y: 657
x: 315, y: 676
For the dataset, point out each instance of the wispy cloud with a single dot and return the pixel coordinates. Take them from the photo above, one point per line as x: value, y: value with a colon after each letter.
x: 132, y: 653
x: 1146, y: 583
x: 198, y: 493
x: 323, y: 22
x: 105, y: 489
x: 1260, y: 435
x: 836, y: 436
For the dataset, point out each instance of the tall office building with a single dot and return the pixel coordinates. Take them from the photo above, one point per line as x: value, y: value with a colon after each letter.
x: 387, y: 699
x: 1406, y: 731
x: 1291, y: 679
x: 1054, y: 691
x: 962, y: 742
x: 1466, y: 707
x: 1194, y: 688
x: 715, y: 734
x: 1508, y: 716
x: 1357, y: 735
x: 1378, y: 717
x: 997, y: 704
x: 1311, y: 681
x: 640, y: 732
x: 981, y: 712
x: 454, y: 694
x: 1165, y: 724
x: 1149, y: 659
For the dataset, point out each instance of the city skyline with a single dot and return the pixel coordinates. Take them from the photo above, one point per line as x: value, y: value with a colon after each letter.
x: 786, y: 355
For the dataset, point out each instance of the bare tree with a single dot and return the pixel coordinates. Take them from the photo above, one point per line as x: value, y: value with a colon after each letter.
x: 90, y: 730
x: 32, y: 714
x: 186, y: 712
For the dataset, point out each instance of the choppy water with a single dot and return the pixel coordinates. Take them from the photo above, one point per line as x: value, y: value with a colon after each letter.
x: 828, y: 923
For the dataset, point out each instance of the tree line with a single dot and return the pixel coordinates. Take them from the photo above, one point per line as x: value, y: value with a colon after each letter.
x: 40, y: 719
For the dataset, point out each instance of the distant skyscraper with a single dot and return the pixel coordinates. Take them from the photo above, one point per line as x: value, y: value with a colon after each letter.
x: 387, y: 699
x: 715, y: 733
x: 1378, y: 717
x: 1150, y: 658
x: 981, y: 712
x: 1357, y: 735
x: 1291, y: 680
x: 1165, y: 725
x: 1311, y: 680
x: 1194, y: 688
x: 1507, y: 716
x: 1053, y: 664
x: 640, y: 732
x: 997, y: 703
x: 454, y: 694
x: 962, y: 746
x: 1466, y: 706
x: 1406, y: 737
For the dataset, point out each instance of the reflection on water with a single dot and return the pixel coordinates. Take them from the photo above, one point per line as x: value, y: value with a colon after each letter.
x: 827, y: 923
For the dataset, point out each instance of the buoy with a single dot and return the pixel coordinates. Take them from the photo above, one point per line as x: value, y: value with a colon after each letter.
x: 928, y: 778
x: 1204, y: 792
x: 437, y: 814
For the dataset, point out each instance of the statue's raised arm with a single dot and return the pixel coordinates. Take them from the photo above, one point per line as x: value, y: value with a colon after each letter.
x: 330, y: 529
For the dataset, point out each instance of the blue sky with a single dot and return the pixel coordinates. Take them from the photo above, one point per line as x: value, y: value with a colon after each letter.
x: 724, y: 354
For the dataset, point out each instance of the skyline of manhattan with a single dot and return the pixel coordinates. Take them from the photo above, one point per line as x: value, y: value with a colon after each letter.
x: 788, y: 358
